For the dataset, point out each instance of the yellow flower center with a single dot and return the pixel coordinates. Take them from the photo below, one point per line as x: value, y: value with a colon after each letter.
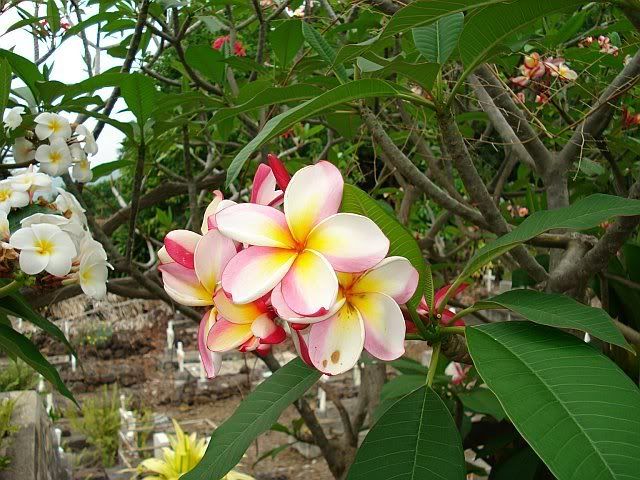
x: 55, y: 125
x: 5, y: 195
x: 55, y: 157
x: 44, y: 247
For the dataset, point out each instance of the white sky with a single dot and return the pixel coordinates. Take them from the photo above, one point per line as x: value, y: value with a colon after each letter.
x: 68, y: 67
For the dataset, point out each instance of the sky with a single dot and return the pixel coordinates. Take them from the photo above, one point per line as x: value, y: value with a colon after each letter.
x: 68, y: 67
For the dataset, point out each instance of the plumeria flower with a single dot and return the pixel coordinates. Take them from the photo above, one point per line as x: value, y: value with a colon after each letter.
x: 366, y: 315
x: 301, y: 247
x: 55, y: 159
x: 533, y: 67
x: 10, y: 197
x: 5, y: 232
x: 446, y: 316
x: 90, y: 246
x: 52, y: 125
x: 73, y: 228
x: 44, y: 247
x: 265, y: 188
x: 81, y: 171
x: 90, y: 145
x: 13, y: 118
x: 23, y: 150
x: 457, y: 372
x: 563, y: 72
x: 69, y: 206
x: 92, y: 274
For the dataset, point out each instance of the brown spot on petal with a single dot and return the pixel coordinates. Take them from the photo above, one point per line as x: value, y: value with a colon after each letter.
x: 335, y: 356
x: 324, y: 363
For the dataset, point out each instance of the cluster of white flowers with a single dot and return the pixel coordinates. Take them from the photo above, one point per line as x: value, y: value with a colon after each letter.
x: 55, y: 144
x: 56, y: 244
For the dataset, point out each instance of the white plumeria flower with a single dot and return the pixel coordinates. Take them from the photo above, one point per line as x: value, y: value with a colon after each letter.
x: 44, y: 247
x: 92, y: 275
x: 52, y: 125
x: 90, y: 246
x: 90, y: 145
x: 31, y: 181
x: 23, y: 150
x: 55, y: 159
x: 5, y: 233
x: 564, y: 72
x: 68, y: 205
x: 72, y: 227
x: 10, y: 197
x: 13, y: 118
x: 77, y: 153
x: 81, y: 171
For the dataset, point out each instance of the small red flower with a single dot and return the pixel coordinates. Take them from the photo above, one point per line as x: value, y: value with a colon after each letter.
x: 239, y: 49
x: 219, y: 42
x: 279, y: 171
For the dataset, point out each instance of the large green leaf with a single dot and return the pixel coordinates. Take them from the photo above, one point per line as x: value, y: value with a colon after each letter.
x: 576, y: 408
x: 423, y: 73
x: 207, y: 61
x: 53, y: 16
x: 255, y: 415
x: 436, y: 42
x: 26, y: 70
x: 557, y: 311
x: 15, y: 305
x: 482, y: 400
x: 5, y: 84
x: 415, y: 439
x: 105, y: 169
x: 17, y: 345
x: 323, y: 49
x: 588, y: 212
x: 139, y: 92
x: 365, y: 88
x: 286, y: 40
x: 402, y: 244
x: 269, y: 96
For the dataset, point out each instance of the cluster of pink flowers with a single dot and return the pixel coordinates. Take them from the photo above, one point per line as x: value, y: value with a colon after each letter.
x: 537, y: 74
x: 604, y: 43
x: 629, y: 120
x: 517, y: 211
x: 262, y: 271
x: 238, y: 47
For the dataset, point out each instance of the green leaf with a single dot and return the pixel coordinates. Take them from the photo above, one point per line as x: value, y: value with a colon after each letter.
x: 212, y: 23
x: 16, y: 305
x: 402, y: 244
x: 26, y: 70
x: 17, y: 345
x: 5, y: 85
x: 437, y: 42
x: 558, y: 311
x: 102, y: 17
x: 269, y: 96
x: 402, y: 385
x: 588, y: 212
x: 105, y: 169
x: 365, y: 88
x: 323, y: 49
x: 482, y: 400
x: 286, y: 40
x: 576, y: 408
x: 207, y: 61
x: 256, y: 414
x: 53, y: 16
x: 15, y: 217
x: 423, y: 73
x: 408, y: 366
x: 415, y: 439
x: 139, y: 92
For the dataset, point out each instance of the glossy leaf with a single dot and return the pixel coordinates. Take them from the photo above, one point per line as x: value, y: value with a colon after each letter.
x: 323, y: 49
x: 140, y: 94
x: 415, y: 439
x: 558, y: 311
x: 436, y: 42
x: 5, y: 85
x: 358, y: 89
x: 482, y: 400
x: 255, y: 415
x: 286, y: 40
x: 588, y: 212
x: 53, y: 15
x: 576, y: 408
x: 105, y: 169
x: 17, y: 345
x: 402, y: 244
x: 24, y: 69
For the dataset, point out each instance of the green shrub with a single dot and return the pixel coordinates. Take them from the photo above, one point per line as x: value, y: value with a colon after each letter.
x: 17, y: 376
x: 6, y: 429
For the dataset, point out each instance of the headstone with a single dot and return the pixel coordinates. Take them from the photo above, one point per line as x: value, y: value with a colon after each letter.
x: 488, y: 278
x: 180, y: 357
x: 357, y: 376
x: 73, y: 360
x: 322, y: 395
x: 171, y: 335
x: 41, y: 385
x: 160, y: 440
x: 49, y: 404
x: 504, y: 286
x: 33, y: 448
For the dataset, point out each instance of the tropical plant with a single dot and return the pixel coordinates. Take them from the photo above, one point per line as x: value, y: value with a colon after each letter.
x: 7, y: 405
x: 17, y: 375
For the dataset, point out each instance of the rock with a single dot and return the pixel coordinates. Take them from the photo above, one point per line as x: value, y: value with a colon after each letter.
x: 33, y: 450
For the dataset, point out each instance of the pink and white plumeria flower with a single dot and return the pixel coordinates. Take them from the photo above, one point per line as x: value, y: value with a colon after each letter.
x: 366, y: 315
x: 446, y: 315
x: 302, y: 248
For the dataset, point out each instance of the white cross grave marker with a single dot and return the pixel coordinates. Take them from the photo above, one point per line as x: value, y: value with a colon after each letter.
x: 322, y: 395
x: 41, y: 385
x: 171, y: 335
x: 73, y: 361
x: 488, y: 278
x: 180, y: 356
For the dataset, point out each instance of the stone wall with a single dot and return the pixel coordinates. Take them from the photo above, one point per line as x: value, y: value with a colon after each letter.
x: 32, y: 449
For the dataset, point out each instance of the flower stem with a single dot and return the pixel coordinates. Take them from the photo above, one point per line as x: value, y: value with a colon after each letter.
x: 453, y: 330
x: 9, y: 288
x: 433, y: 365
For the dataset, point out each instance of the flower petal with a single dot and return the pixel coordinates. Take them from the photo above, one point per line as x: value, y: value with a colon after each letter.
x: 32, y: 262
x: 394, y: 276
x: 313, y: 194
x: 336, y: 344
x: 351, y: 243
x: 253, y: 272
x: 383, y: 323
x: 211, y: 361
x: 442, y: 291
x: 310, y: 287
x: 180, y: 245
x: 211, y: 255
x: 265, y: 190
x: 225, y: 335
x: 285, y: 312
x: 241, y: 314
x: 256, y: 225
x: 183, y: 285
x: 267, y: 330
x: 300, y: 339
x: 210, y: 211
